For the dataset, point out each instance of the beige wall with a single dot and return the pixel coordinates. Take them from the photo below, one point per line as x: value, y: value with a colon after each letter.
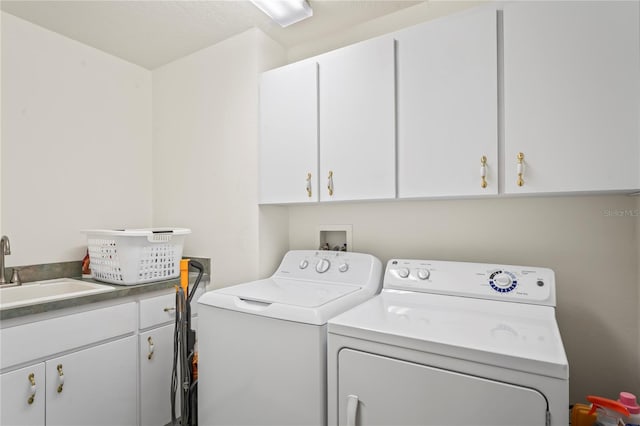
x: 76, y: 139
x: 205, y: 152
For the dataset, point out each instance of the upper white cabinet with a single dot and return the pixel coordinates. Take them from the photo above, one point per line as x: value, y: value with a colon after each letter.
x: 448, y: 106
x: 357, y: 122
x: 289, y: 134
x: 538, y: 97
x: 571, y: 92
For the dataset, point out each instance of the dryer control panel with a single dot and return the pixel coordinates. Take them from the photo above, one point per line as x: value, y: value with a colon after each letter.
x: 511, y: 283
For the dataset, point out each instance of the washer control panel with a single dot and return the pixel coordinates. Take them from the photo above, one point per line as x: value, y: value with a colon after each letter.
x: 523, y: 284
x: 331, y: 266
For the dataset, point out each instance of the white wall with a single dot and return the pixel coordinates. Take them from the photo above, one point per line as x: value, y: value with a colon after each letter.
x: 76, y: 143
x: 205, y: 132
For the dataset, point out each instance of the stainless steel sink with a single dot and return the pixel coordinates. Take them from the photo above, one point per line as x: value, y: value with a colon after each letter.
x: 49, y: 290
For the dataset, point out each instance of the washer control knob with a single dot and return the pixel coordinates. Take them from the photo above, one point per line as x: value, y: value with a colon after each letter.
x: 502, y: 280
x: 403, y: 272
x: 303, y: 264
x: 344, y: 267
x: 423, y: 274
x: 323, y: 266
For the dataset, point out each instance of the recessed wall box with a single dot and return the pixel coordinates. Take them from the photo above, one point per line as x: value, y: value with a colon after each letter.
x: 335, y: 237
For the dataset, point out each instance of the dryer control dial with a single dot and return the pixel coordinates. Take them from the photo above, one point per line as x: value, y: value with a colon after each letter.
x: 303, y: 264
x: 403, y: 272
x: 344, y: 267
x: 423, y: 274
x: 503, y: 281
x: 323, y: 266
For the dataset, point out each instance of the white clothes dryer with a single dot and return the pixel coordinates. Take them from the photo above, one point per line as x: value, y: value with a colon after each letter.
x: 450, y: 343
x: 262, y: 344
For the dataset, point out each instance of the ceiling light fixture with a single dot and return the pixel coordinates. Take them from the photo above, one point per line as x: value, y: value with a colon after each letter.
x: 285, y: 12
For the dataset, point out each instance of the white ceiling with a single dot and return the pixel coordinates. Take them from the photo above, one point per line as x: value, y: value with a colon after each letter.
x: 151, y: 33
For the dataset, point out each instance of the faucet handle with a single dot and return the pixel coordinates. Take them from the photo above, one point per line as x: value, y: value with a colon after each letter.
x: 15, y: 277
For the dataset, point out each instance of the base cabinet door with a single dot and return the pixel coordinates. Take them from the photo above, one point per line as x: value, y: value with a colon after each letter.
x: 93, y: 387
x: 376, y: 390
x: 22, y: 396
x: 156, y: 359
x: 571, y: 96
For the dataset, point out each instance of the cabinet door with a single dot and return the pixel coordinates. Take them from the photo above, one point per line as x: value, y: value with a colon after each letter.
x: 156, y: 360
x: 448, y: 106
x: 22, y: 394
x: 98, y: 386
x: 289, y: 134
x: 571, y: 91
x: 357, y: 121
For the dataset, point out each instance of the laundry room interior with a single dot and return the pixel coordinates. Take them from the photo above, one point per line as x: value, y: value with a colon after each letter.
x: 93, y: 140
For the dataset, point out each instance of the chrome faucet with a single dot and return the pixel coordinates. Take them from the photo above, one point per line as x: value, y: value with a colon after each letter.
x: 5, y: 249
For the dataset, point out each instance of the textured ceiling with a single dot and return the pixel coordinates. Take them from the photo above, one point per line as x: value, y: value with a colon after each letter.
x: 152, y: 33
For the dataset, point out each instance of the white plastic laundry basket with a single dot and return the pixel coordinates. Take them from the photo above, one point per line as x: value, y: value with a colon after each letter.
x: 135, y: 256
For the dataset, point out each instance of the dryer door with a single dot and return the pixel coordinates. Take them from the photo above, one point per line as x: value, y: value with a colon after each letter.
x: 376, y: 390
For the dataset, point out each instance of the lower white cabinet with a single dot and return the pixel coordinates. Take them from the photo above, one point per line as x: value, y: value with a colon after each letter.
x: 81, y: 388
x: 22, y: 394
x: 155, y: 357
x: 95, y: 386
x: 99, y: 367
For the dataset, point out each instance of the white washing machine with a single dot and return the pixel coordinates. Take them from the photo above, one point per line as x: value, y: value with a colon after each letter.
x: 450, y: 343
x: 262, y: 344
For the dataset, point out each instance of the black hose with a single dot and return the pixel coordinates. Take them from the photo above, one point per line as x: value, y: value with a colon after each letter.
x: 200, y: 269
x: 183, y: 353
x: 176, y: 344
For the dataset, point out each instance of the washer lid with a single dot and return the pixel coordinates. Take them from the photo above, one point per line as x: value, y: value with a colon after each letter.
x: 294, y: 300
x: 306, y: 294
x: 504, y: 334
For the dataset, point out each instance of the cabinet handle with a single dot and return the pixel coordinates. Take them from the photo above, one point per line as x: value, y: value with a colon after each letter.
x: 151, y: 347
x: 483, y: 171
x: 60, y: 378
x: 32, y: 396
x: 330, y: 183
x: 169, y: 309
x: 352, y: 410
x: 520, y: 169
x: 309, y: 185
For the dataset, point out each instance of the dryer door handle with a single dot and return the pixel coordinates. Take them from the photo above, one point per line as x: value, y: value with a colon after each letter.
x: 352, y: 409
